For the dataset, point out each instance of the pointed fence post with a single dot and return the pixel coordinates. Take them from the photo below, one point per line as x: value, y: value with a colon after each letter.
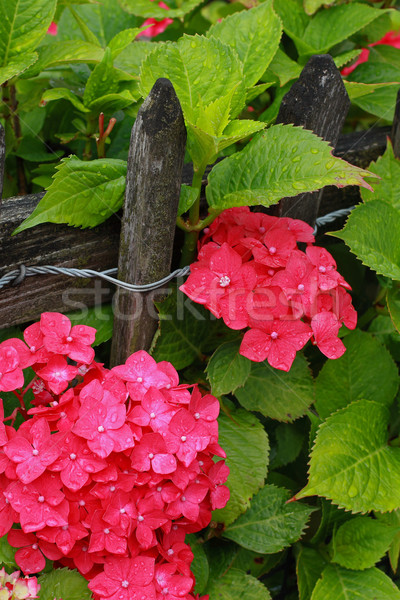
x: 155, y: 164
x: 395, y: 133
x: 318, y: 101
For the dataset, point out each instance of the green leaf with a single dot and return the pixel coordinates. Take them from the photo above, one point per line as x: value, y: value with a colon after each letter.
x: 352, y: 463
x: 110, y: 103
x: 63, y: 583
x: 123, y: 39
x: 100, y: 317
x: 101, y: 81
x: 253, y: 563
x: 87, y: 33
x: 331, y: 518
x: 366, y: 371
x: 393, y: 302
x: 289, y: 442
x: 270, y: 524
x: 64, y: 94
x: 380, y: 102
x: 187, y: 198
x: 83, y: 194
x: 294, y: 20
x: 130, y: 59
x: 200, y: 69
x: 23, y: 23
x: 392, y: 519
x: 16, y: 66
x: 65, y: 53
x: 284, y: 67
x: 330, y: 27
x: 199, y: 566
x: 338, y: 583
x: 309, y: 567
x: 298, y: 161
x: 142, y: 8
x: 276, y: 394
x: 371, y: 239
x: 387, y: 188
x: 227, y: 369
x: 346, y: 57
x: 246, y: 444
x: 34, y: 150
x: 184, y: 329
x: 311, y: 6
x: 255, y: 35
x: 7, y: 553
x: 383, y: 329
x: 361, y: 542
x: 236, y: 585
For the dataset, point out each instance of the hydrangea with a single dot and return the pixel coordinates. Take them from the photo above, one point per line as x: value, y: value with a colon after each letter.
x: 251, y: 273
x: 110, y: 469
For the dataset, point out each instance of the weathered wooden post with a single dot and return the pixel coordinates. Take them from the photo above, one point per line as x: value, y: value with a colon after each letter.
x: 318, y: 101
x: 153, y: 184
x: 395, y: 133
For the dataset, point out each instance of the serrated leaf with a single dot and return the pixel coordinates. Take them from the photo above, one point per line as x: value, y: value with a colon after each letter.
x: 199, y: 566
x: 371, y: 239
x: 82, y: 194
x: 227, y: 369
x: 100, y: 317
x: 236, y: 585
x: 361, y: 542
x: 393, y: 303
x: 246, y: 444
x: 380, y: 102
x: 270, y: 524
x: 33, y: 149
x: 330, y: 27
x: 64, y: 94
x: 63, y: 583
x: 338, y: 583
x: 311, y: 6
x: 331, y: 518
x: 187, y: 198
x: 294, y: 20
x: 343, y: 59
x: 309, y: 567
x: 255, y: 35
x: 276, y: 394
x: 16, y: 66
x: 383, y: 329
x: 289, y: 442
x: 284, y: 67
x: 366, y: 371
x: 101, y: 80
x: 64, y: 53
x: 23, y: 24
x: 184, y: 328
x: 110, y: 103
x: 123, y: 39
x: 282, y: 161
x: 351, y: 462
x: 254, y: 563
x: 387, y: 188
x: 142, y: 8
x: 199, y: 68
x: 131, y: 57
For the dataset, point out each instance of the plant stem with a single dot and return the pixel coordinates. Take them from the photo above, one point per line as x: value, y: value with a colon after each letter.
x: 22, y: 408
x: 191, y: 236
x: 90, y: 129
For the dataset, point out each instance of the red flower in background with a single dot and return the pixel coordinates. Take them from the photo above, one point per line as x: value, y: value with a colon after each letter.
x: 389, y: 39
x: 155, y: 27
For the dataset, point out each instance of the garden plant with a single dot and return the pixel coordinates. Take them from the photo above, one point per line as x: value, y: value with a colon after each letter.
x: 253, y: 451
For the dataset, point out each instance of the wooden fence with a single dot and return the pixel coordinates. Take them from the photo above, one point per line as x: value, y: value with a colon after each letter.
x: 141, y: 240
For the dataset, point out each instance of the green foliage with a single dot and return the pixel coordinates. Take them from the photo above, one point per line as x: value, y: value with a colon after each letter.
x: 365, y: 371
x: 99, y: 317
x: 241, y: 179
x: 351, y: 461
x: 227, y: 369
x: 7, y: 553
x: 276, y: 394
x: 63, y: 583
x: 309, y: 567
x: 236, y: 585
x: 393, y: 303
x: 246, y: 444
x: 199, y: 566
x: 338, y: 583
x: 83, y: 194
x: 361, y: 542
x: 255, y: 35
x: 270, y: 524
x: 142, y: 8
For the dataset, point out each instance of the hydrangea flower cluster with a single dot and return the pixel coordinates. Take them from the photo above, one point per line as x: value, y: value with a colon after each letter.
x: 155, y: 27
x: 15, y: 587
x: 111, y: 469
x: 251, y: 272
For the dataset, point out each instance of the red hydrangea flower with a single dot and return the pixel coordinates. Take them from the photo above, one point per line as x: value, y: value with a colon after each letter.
x: 126, y: 578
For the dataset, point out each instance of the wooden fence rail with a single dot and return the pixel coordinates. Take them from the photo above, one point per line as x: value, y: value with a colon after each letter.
x: 317, y: 101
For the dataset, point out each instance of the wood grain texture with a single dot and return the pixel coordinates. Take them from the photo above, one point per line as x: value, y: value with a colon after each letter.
x: 153, y: 183
x: 2, y: 158
x: 317, y: 101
